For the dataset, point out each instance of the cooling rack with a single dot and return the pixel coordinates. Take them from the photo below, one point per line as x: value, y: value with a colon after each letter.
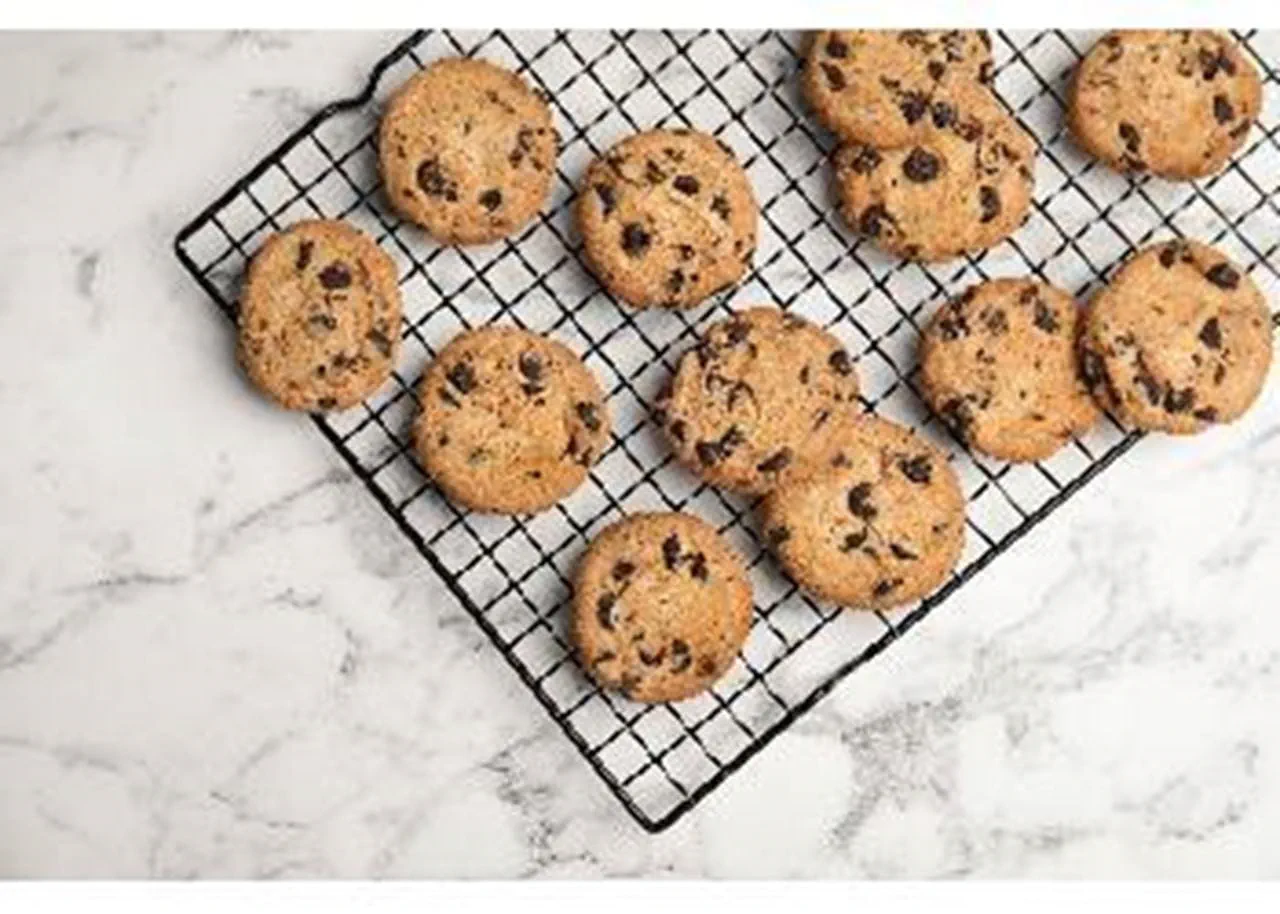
x: 513, y: 574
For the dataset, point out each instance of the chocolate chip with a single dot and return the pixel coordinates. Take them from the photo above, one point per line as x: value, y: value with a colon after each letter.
x: 322, y: 322
x: 885, y: 587
x: 1179, y: 401
x: 921, y: 166
x: 937, y: 69
x: 997, y: 322
x: 635, y: 240
x: 675, y: 281
x: 491, y: 199
x: 379, y: 341
x: 804, y: 374
x: 777, y: 535
x: 866, y: 161
x: 622, y: 569
x: 775, y: 463
x: 859, y: 501
x: 1211, y: 63
x: 686, y: 184
x: 653, y: 173
x: 840, y: 363
x: 1222, y: 109
x: 835, y: 79
x: 854, y: 541
x: 678, y: 430
x: 1206, y: 414
x: 680, y: 656
x: 686, y: 251
x: 304, y: 255
x: 1169, y: 255
x: 1129, y: 136
x: 872, y: 220
x: 608, y: 199
x: 463, y: 377
x: 1044, y: 317
x: 1223, y: 275
x: 706, y: 666
x: 671, y: 552
x: 1147, y: 381
x: 433, y: 181
x: 335, y: 276
x: 990, y: 202
x: 902, y: 552
x: 820, y: 419
x: 327, y: 403
x: 720, y: 206
x: 589, y: 415
x: 944, y: 115
x: 652, y: 659
x: 1211, y: 333
x: 604, y: 611
x: 918, y: 469
x: 836, y: 47
x: 913, y: 106
x: 530, y: 365
x: 953, y: 325
x: 698, y: 567
x: 986, y: 72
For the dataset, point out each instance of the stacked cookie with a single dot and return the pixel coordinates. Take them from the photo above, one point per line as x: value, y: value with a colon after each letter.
x: 930, y: 165
x: 856, y: 509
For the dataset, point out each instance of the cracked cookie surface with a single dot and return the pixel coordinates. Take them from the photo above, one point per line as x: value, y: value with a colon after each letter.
x: 319, y: 322
x: 1179, y: 340
x: 661, y: 607
x: 467, y: 151
x: 511, y: 421
x: 879, y: 525
x: 667, y: 218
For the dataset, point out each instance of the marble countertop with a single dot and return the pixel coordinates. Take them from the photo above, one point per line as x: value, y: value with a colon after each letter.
x: 219, y: 658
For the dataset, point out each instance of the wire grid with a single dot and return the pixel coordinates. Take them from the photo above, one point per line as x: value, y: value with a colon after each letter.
x: 513, y: 574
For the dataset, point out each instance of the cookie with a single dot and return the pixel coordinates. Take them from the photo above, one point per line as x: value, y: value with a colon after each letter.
x: 1179, y: 340
x: 998, y: 365
x: 319, y: 316
x: 883, y: 88
x: 957, y: 189
x: 756, y: 398
x: 661, y: 606
x: 467, y: 151
x: 511, y: 421
x: 880, y: 525
x: 667, y: 218
x: 1174, y: 103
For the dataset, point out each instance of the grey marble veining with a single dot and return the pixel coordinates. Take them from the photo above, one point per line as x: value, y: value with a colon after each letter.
x: 218, y: 658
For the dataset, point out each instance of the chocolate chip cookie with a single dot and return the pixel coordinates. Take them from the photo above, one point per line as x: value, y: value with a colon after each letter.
x: 757, y: 397
x: 998, y: 365
x: 319, y: 316
x: 1179, y: 340
x: 667, y: 218
x: 661, y: 606
x: 1173, y: 103
x: 883, y: 88
x: 956, y: 189
x: 880, y: 525
x: 511, y: 421
x: 467, y: 151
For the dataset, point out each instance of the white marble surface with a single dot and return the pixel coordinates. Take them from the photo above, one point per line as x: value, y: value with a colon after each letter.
x: 218, y: 658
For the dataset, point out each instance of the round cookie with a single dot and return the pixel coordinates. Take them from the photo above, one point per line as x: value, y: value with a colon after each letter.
x: 319, y: 316
x: 467, y: 151
x: 958, y: 189
x: 1180, y: 339
x: 757, y: 398
x: 1175, y: 103
x: 882, y: 87
x: 667, y: 218
x: 998, y: 365
x: 661, y: 606
x: 511, y: 421
x: 880, y: 525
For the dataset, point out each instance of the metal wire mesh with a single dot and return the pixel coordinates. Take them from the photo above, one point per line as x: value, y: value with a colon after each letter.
x: 513, y: 574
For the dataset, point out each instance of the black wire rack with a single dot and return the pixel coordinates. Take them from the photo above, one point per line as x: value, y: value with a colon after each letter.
x: 513, y: 574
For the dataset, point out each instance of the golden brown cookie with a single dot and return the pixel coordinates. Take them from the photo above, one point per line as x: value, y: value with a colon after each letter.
x: 757, y: 397
x: 511, y: 421
x: 467, y: 151
x: 1179, y: 340
x: 998, y: 364
x: 661, y: 606
x: 881, y: 525
x: 956, y: 189
x: 319, y: 316
x: 667, y: 218
x: 1174, y: 103
x: 883, y: 88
